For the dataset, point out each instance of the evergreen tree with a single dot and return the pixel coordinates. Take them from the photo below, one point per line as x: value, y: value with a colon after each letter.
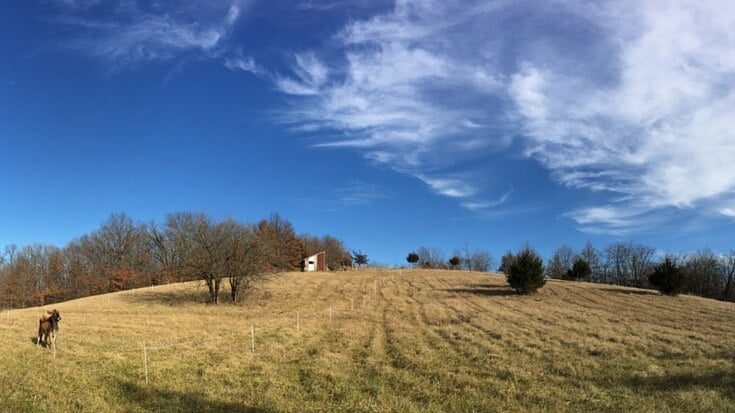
x: 526, y: 273
x: 412, y: 258
x: 506, y: 262
x: 579, y: 271
x: 668, y: 277
x: 359, y: 258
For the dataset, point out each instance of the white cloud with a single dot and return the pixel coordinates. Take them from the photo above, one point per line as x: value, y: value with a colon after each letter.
x: 133, y: 36
x: 353, y: 193
x: 383, y: 102
x: 358, y: 193
x: 484, y: 205
x: 451, y: 187
x: 311, y: 75
x: 78, y: 4
x: 631, y: 100
x: 232, y: 14
x: 613, y: 218
x: 246, y: 64
x: 663, y: 134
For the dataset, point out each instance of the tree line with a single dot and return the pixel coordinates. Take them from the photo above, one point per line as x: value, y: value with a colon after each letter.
x: 122, y: 254
x: 465, y: 259
x: 702, y: 273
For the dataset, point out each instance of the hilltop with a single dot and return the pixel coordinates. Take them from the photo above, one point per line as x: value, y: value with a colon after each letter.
x: 376, y: 340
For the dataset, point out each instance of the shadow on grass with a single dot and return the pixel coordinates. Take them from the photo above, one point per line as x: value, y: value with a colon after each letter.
x: 34, y: 340
x: 170, y: 298
x: 483, y: 289
x: 721, y: 381
x: 627, y: 291
x: 149, y: 398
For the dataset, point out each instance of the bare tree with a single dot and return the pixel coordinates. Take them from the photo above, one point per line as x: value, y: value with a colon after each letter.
x: 201, y: 245
x: 560, y: 262
x: 703, y: 273
x: 430, y: 258
x: 618, y: 257
x: 480, y: 260
x: 629, y: 264
x: 727, y: 270
x: 163, y: 250
x: 280, y: 243
x: 10, y: 250
x: 244, y: 260
x: 641, y: 264
x: 592, y: 257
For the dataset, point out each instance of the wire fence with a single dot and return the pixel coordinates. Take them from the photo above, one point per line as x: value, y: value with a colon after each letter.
x: 341, y: 308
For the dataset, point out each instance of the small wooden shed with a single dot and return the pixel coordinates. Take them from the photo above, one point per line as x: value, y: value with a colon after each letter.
x: 316, y: 262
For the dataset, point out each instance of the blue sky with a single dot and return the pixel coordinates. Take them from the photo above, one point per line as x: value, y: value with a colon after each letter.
x: 389, y: 124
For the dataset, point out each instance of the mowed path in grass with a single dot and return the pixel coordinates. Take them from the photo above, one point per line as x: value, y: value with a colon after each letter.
x: 408, y: 341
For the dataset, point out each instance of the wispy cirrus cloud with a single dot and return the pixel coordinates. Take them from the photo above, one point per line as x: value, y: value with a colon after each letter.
x: 127, y: 34
x: 629, y: 100
x: 383, y: 103
x: 357, y: 193
x: 310, y: 76
x: 78, y: 4
x: 484, y: 205
x: 246, y: 64
x: 660, y: 136
x: 351, y: 194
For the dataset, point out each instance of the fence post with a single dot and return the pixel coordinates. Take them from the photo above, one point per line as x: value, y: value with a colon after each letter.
x: 252, y: 339
x: 145, y: 361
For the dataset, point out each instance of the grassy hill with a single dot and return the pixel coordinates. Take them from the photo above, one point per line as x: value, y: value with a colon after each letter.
x: 415, y: 341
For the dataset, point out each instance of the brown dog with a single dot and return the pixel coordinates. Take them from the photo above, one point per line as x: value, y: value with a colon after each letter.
x: 48, y: 328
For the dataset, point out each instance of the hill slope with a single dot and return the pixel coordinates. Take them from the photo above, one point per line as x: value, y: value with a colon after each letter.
x: 415, y: 341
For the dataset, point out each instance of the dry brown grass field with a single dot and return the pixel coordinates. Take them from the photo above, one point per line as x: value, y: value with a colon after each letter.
x: 415, y: 341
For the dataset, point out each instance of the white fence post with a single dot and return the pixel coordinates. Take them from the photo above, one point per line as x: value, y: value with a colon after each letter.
x: 252, y: 339
x: 145, y: 361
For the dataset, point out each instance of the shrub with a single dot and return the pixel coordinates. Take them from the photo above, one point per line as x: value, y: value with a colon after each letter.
x: 454, y: 262
x: 579, y: 271
x: 668, y: 278
x: 526, y: 272
x: 506, y: 261
x: 412, y: 258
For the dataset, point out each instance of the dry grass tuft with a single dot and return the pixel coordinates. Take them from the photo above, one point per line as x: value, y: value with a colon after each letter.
x: 428, y: 341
